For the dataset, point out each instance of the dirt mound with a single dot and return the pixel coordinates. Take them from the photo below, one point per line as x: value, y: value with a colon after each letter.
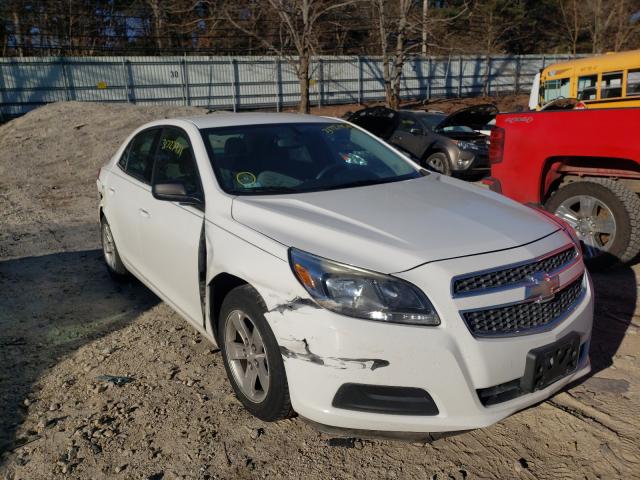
x: 49, y: 162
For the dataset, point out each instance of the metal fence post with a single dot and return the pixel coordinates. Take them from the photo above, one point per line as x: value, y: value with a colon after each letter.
x: 278, y: 62
x: 488, y: 82
x: 360, y: 74
x: 185, y: 81
x: 125, y: 76
x: 429, y: 78
x: 320, y: 81
x: 460, y: 77
x: 234, y: 84
x: 2, y: 87
x: 65, y: 79
x: 516, y: 75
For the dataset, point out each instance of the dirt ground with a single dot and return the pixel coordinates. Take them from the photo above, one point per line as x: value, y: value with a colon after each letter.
x: 64, y: 323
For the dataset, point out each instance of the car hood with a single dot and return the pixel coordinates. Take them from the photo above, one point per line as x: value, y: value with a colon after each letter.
x: 475, y: 117
x: 395, y: 226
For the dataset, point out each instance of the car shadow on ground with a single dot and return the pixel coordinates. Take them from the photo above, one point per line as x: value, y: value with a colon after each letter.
x: 50, y: 306
x: 616, y: 296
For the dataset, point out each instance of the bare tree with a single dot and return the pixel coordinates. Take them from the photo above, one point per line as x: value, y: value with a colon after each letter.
x: 393, y: 25
x: 572, y: 22
x: 299, y: 21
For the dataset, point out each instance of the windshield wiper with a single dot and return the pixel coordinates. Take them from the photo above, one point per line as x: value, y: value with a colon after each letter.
x: 364, y: 183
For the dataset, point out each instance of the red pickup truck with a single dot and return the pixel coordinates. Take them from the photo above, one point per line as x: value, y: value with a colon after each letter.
x: 582, y: 165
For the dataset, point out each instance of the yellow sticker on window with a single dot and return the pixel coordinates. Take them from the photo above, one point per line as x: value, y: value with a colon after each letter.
x: 245, y: 178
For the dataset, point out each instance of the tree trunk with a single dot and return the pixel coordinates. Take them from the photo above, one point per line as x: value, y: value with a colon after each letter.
x: 425, y: 15
x: 398, y: 63
x: 17, y: 33
x: 303, y: 78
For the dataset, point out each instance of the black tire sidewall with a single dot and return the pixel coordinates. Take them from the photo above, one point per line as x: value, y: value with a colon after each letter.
x: 276, y: 404
x: 617, y: 207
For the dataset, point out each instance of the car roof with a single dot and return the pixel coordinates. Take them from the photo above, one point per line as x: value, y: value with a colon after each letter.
x: 229, y: 119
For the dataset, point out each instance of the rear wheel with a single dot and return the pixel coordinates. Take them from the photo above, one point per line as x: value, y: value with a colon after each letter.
x: 606, y: 217
x: 438, y: 162
x: 114, y: 264
x: 252, y: 356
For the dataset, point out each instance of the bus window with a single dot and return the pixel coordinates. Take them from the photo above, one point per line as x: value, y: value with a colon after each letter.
x: 633, y: 82
x: 553, y: 89
x: 587, y: 87
x: 611, y: 86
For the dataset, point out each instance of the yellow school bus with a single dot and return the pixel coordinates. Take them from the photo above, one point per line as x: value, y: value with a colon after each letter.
x: 611, y: 80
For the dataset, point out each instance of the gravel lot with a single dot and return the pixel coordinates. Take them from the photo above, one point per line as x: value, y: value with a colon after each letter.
x: 63, y: 323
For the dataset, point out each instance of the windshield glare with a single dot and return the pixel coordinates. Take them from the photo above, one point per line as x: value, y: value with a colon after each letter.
x: 295, y: 158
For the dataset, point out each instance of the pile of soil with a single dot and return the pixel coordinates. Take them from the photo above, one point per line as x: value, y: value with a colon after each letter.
x: 103, y: 380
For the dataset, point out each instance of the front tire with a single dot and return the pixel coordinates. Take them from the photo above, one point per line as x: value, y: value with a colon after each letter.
x: 252, y: 356
x: 606, y: 217
x: 112, y: 259
x: 438, y: 162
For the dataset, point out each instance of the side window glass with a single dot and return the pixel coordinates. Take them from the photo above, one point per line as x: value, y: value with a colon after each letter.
x: 140, y: 163
x: 587, y: 87
x: 407, y: 123
x: 633, y: 82
x: 175, y: 161
x: 611, y: 86
x: 123, y: 158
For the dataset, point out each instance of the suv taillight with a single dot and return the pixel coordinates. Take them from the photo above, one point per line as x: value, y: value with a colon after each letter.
x: 496, y: 145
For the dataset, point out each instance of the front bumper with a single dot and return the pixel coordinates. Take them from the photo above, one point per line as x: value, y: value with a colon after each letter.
x: 324, y: 351
x: 471, y: 161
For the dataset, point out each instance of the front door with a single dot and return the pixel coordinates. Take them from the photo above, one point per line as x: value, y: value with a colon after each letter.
x: 170, y: 233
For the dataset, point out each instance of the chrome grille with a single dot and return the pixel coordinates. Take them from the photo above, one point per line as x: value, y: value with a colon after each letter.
x: 520, y: 317
x: 511, y: 275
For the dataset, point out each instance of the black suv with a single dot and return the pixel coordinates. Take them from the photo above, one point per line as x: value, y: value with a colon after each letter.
x: 449, y: 144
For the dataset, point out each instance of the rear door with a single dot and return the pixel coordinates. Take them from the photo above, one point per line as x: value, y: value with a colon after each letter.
x: 127, y: 186
x: 171, y: 232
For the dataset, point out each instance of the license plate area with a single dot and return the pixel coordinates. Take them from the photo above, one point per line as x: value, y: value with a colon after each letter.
x: 550, y: 363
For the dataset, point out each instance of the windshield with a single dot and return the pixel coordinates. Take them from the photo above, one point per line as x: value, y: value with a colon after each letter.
x: 553, y: 89
x: 430, y: 120
x: 295, y: 158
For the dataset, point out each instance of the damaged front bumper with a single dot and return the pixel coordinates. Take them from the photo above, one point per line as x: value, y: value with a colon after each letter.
x: 323, y: 352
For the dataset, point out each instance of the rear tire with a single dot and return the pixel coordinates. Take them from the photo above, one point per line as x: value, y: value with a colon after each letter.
x: 438, y: 162
x: 606, y: 216
x: 112, y: 259
x: 252, y: 356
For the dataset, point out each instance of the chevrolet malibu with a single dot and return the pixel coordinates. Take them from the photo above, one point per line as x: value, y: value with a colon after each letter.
x: 342, y: 281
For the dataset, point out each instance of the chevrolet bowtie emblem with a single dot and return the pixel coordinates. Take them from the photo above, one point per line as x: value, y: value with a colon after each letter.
x: 542, y: 287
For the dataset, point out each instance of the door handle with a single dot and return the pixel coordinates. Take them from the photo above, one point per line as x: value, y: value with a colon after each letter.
x: 144, y: 213
x: 112, y: 191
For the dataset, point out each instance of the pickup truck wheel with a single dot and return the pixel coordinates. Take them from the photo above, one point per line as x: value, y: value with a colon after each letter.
x: 112, y: 260
x: 438, y: 162
x: 252, y: 356
x: 606, y: 217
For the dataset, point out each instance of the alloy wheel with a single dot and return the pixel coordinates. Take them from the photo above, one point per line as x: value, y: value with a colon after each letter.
x: 246, y: 356
x: 592, y: 220
x: 108, y: 246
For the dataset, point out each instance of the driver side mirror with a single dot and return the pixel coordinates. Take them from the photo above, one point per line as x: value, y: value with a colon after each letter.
x: 416, y: 131
x: 174, y: 192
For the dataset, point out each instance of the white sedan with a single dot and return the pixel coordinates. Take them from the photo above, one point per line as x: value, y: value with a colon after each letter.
x: 342, y: 281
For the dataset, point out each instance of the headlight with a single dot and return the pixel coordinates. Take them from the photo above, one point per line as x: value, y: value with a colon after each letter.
x: 360, y: 293
x: 466, y: 145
